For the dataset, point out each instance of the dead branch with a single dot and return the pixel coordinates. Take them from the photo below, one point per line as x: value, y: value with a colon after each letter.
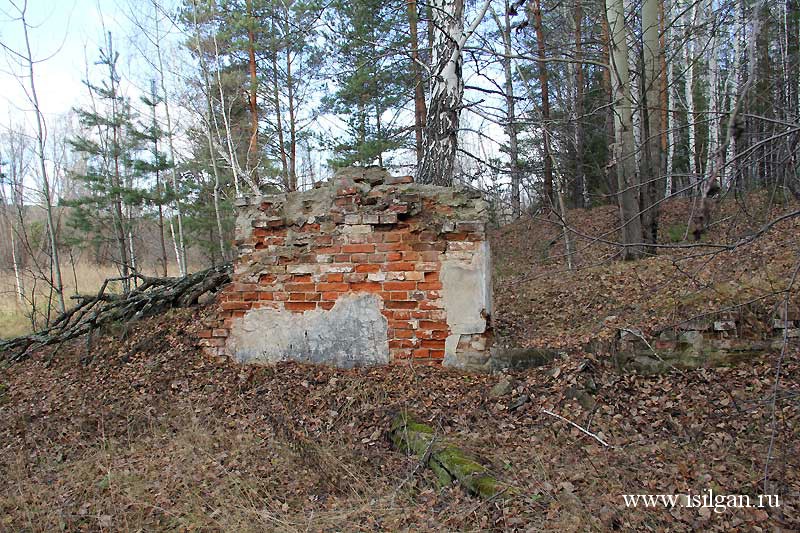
x: 152, y: 297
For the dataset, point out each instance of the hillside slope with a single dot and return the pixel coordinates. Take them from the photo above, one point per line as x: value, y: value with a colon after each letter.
x: 139, y: 431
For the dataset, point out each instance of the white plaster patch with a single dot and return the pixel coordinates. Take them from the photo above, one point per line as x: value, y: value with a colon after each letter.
x: 352, y: 333
x: 467, y: 296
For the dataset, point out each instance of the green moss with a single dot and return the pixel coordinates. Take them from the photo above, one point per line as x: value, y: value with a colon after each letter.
x: 676, y: 232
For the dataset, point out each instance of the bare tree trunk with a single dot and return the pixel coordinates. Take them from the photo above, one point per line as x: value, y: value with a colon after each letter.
x: 511, y: 119
x: 252, y: 149
x: 605, y: 81
x: 279, y: 121
x: 122, y: 244
x: 419, y: 91
x: 691, y: 116
x: 159, y: 188
x: 447, y: 89
x: 651, y: 121
x: 548, y: 150
x: 180, y: 243
x: 292, y: 124
x: 624, y: 149
x: 56, y: 281
x: 580, y: 193
x: 209, y: 137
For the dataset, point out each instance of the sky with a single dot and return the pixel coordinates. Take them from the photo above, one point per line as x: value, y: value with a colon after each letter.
x: 65, y: 35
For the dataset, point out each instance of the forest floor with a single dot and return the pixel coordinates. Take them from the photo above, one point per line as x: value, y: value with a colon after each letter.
x: 148, y: 434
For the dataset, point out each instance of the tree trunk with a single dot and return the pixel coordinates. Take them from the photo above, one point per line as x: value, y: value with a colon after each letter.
x: 419, y: 91
x: 180, y: 244
x: 292, y: 125
x: 252, y: 148
x: 624, y: 149
x: 580, y: 191
x: 511, y: 119
x: 540, y: 50
x: 652, y: 189
x: 47, y: 193
x: 447, y: 89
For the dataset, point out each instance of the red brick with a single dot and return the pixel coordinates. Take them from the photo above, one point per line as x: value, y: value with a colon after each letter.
x: 430, y: 286
x: 358, y: 248
x: 331, y: 296
x: 431, y: 276
x: 327, y: 305
x: 400, y: 285
x: 377, y: 258
x: 394, y: 256
x: 432, y: 325
x: 341, y: 258
x: 300, y: 287
x: 297, y: 297
x: 398, y: 266
x: 265, y: 296
x: 359, y: 258
x: 301, y: 278
x: 266, y: 279
x: 340, y: 287
x: 403, y: 333
x: 235, y: 306
x: 329, y: 250
x: 368, y: 268
x: 421, y: 353
x: 392, y: 237
x: 428, y: 334
x: 394, y: 296
x: 390, y: 247
x: 429, y: 247
x: 401, y: 304
x: 280, y: 296
x: 323, y: 239
x: 308, y: 228
x: 204, y: 334
x: 335, y: 277
x: 366, y: 287
x: 300, y: 306
x: 434, y: 344
x: 219, y: 332
x: 400, y: 343
x: 437, y: 354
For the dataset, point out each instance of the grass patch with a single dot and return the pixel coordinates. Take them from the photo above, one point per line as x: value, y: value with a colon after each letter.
x: 676, y: 232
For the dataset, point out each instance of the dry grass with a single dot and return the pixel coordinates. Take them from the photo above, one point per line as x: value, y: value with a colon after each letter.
x: 15, y: 316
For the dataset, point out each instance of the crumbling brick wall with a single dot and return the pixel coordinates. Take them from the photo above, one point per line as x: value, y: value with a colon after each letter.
x: 364, y: 269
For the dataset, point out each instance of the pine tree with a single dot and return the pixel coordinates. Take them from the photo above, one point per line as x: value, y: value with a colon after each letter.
x: 373, y: 80
x: 110, y: 147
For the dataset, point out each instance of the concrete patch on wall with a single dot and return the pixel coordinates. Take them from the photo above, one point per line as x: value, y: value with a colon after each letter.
x: 467, y: 294
x: 352, y: 333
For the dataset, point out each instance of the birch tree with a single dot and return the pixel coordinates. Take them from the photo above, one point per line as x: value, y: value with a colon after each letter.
x: 624, y: 144
x: 446, y: 89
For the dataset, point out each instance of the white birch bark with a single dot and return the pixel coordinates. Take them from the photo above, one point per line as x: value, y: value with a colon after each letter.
x: 624, y: 144
x: 446, y: 91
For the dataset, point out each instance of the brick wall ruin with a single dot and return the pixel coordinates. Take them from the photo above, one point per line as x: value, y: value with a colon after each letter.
x: 364, y: 269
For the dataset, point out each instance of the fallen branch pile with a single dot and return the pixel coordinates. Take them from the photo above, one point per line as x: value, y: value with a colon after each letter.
x: 152, y: 296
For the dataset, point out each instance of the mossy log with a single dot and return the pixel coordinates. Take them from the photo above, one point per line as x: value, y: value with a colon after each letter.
x: 448, y: 462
